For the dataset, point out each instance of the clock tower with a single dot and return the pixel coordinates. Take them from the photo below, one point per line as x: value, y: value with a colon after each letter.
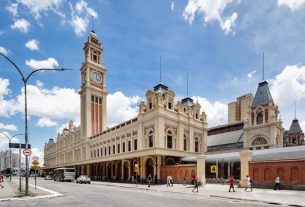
x: 93, y: 93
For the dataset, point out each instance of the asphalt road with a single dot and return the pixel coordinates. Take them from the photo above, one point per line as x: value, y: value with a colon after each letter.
x: 91, y: 195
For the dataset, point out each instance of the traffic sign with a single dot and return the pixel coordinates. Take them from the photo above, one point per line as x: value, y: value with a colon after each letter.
x: 17, y: 145
x: 35, y: 162
x: 27, y: 152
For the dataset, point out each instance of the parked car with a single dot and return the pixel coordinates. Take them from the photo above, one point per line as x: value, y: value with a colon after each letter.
x: 48, y: 177
x: 83, y: 179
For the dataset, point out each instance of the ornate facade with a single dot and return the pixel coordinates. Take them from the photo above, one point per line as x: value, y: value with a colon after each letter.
x: 161, y: 134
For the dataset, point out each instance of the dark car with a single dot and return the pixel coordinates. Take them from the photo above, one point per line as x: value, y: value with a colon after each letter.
x: 83, y: 179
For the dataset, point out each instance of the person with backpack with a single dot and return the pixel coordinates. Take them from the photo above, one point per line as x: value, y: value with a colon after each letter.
x: 232, y: 182
x: 149, y: 179
x: 277, y: 183
x: 195, y: 185
x: 249, y: 183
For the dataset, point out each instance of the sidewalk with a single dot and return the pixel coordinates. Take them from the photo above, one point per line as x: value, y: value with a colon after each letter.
x: 10, y: 190
x: 284, y: 197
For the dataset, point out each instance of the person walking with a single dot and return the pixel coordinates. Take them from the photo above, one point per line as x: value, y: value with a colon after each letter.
x: 277, y: 183
x: 149, y: 179
x: 232, y: 182
x: 168, y: 181
x: 1, y: 180
x: 184, y: 181
x: 249, y: 183
x: 171, y: 180
x: 195, y: 185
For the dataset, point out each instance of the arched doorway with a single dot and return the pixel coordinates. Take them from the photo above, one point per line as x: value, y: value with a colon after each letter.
x: 126, y: 168
x: 149, y: 166
x: 109, y: 171
x: 113, y: 171
x: 120, y: 170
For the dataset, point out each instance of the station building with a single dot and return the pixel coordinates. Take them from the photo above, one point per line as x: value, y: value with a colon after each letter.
x: 169, y: 137
x: 163, y: 132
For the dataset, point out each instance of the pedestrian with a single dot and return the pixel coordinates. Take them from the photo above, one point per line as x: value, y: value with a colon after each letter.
x: 1, y: 180
x: 277, y: 183
x: 132, y: 179
x: 195, y: 185
x: 168, y: 181
x: 232, y: 182
x: 171, y: 180
x: 184, y: 180
x: 149, y: 179
x: 249, y: 183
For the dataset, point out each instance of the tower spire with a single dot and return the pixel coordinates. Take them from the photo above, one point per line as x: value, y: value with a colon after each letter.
x: 295, y: 109
x: 187, y: 84
x: 160, y: 70
x: 263, y: 66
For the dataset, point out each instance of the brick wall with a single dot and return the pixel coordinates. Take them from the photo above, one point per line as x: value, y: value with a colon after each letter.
x: 178, y: 172
x: 291, y: 172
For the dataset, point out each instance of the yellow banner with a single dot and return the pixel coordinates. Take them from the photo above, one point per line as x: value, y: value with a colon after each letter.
x: 213, y: 169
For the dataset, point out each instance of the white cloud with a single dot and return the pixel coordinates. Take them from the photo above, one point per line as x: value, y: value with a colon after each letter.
x: 217, y: 112
x: 228, y: 23
x: 10, y: 127
x: 32, y: 44
x: 289, y: 85
x: 4, y: 141
x: 7, y: 107
x: 120, y: 108
x: 250, y: 75
x: 80, y: 15
x: 292, y: 4
x: 211, y: 11
x: 57, y: 103
x: 4, y: 51
x: 46, y: 122
x: 13, y: 9
x: 39, y: 83
x: 79, y: 24
x: 22, y: 25
x: 38, y: 6
x: 172, y: 6
x: 49, y: 63
x: 302, y: 125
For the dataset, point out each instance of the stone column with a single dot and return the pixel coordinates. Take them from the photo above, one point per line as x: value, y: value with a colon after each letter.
x: 201, y: 169
x: 245, y: 157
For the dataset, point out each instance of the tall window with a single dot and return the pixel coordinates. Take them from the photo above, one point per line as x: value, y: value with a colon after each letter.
x: 118, y: 148
x: 196, y: 145
x: 98, y: 153
x: 109, y: 149
x: 123, y: 147
x: 150, y: 139
x: 169, y: 140
x: 135, y: 144
x: 169, y: 105
x: 113, y: 149
x: 259, y: 118
x: 105, y: 151
x: 129, y: 145
x: 101, y: 151
x: 184, y: 142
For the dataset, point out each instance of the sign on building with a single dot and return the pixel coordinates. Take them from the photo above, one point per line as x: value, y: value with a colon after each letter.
x: 213, y: 169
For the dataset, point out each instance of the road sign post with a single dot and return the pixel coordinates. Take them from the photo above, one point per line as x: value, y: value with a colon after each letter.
x: 27, y: 152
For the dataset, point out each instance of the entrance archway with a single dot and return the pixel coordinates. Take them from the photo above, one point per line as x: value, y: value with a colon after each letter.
x: 149, y: 166
x: 126, y: 168
x: 109, y: 171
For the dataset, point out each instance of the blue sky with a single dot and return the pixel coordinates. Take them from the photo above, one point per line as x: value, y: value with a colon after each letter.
x: 218, y: 43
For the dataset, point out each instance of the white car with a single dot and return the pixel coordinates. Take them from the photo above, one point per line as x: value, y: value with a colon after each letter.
x: 83, y: 179
x: 48, y: 177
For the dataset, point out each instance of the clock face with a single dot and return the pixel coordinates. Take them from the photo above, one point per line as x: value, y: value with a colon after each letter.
x: 96, y: 77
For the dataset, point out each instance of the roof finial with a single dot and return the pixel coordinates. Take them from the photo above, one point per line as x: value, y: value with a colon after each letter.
x: 187, y: 84
x: 263, y: 66
x: 295, y: 109
x: 160, y: 70
x: 92, y: 23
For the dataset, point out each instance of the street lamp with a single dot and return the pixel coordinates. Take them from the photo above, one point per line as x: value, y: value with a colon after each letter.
x: 10, y: 141
x: 25, y: 80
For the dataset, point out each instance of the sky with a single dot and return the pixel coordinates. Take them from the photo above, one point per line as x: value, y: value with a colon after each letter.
x: 219, y: 44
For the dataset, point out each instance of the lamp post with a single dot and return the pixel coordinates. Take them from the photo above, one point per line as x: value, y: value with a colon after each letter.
x: 25, y: 80
x: 10, y: 141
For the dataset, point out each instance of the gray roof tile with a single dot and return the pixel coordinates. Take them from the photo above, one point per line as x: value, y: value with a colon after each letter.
x: 262, y: 95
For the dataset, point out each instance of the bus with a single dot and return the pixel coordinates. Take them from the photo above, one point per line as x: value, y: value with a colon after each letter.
x: 64, y: 174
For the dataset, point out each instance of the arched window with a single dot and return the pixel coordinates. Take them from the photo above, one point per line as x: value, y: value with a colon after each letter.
x: 259, y: 118
x: 196, y: 145
x: 151, y: 139
x: 169, y: 140
x: 294, y: 140
x: 259, y: 141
